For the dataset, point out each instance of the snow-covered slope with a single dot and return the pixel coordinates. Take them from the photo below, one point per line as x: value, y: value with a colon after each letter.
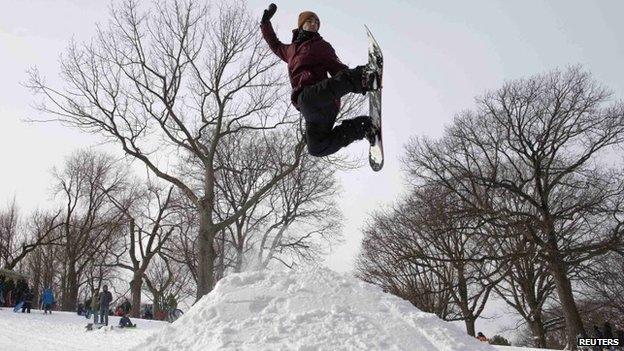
x: 316, y: 309
x: 65, y: 331
x: 303, y: 311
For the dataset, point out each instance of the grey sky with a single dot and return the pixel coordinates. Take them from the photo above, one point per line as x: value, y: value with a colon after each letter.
x: 439, y: 55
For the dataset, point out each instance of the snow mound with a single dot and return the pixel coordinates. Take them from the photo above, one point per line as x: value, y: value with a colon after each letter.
x: 317, y: 309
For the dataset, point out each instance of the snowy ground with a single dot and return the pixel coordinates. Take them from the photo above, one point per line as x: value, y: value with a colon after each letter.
x: 314, y: 310
x: 66, y: 331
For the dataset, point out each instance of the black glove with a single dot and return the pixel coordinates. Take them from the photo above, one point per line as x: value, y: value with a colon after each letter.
x: 268, y: 13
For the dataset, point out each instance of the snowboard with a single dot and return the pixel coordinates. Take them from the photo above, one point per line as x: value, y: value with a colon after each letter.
x: 94, y: 326
x: 18, y: 306
x: 375, y: 60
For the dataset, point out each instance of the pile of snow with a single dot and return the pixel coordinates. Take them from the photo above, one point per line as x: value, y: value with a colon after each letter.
x: 311, y: 310
x: 65, y: 331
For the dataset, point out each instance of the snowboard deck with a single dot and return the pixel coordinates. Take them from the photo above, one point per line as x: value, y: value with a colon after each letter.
x: 93, y: 326
x: 375, y: 60
x: 96, y: 326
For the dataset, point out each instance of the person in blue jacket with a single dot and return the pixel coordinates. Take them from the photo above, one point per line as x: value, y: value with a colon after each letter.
x: 47, y: 300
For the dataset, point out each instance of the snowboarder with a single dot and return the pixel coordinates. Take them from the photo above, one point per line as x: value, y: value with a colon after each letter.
x: 47, y: 300
x: 105, y: 299
x: 317, y: 97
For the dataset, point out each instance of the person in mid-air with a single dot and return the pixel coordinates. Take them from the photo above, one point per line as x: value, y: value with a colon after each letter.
x: 317, y: 97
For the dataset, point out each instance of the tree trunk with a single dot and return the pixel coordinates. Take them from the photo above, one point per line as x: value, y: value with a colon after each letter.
x: 462, y: 291
x: 574, y: 324
x: 470, y: 326
x: 239, y: 259
x: 539, y: 335
x: 135, y: 289
x: 71, y: 289
x: 534, y: 318
x: 205, y: 269
x: 157, y: 308
x: 221, y: 271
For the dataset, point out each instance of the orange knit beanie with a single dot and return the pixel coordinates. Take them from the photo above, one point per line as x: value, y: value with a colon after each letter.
x: 304, y: 17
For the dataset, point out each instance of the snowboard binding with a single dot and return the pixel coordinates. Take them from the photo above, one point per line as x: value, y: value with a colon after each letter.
x: 371, y: 80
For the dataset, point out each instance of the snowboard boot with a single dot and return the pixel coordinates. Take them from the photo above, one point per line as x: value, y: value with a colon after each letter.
x: 369, y: 78
x: 354, y: 129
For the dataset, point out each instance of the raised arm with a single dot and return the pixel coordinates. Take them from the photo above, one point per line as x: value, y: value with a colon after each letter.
x: 269, y: 34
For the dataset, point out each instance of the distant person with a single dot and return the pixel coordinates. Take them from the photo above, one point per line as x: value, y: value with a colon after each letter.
x: 87, y: 307
x: 1, y: 292
x: 148, y: 314
x: 105, y: 299
x: 481, y: 337
x: 95, y: 304
x: 80, y: 310
x: 125, y: 322
x: 47, y: 300
x: 119, y: 311
x: 27, y: 297
x: 20, y: 289
x: 126, y: 306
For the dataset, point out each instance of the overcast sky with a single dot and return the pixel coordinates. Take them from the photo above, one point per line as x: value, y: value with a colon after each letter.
x: 438, y: 56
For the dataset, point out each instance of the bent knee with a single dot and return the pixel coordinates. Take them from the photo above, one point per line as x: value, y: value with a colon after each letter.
x: 316, y: 150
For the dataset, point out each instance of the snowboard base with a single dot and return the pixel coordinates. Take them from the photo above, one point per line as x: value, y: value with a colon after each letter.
x: 375, y: 61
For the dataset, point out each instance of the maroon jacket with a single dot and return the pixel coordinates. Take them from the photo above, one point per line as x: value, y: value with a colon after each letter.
x: 308, y: 62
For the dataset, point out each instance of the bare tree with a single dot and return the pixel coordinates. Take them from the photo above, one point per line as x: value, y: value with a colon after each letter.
x: 90, y: 220
x: 378, y: 264
x: 185, y: 78
x: 302, y: 217
x: 527, y: 286
x: 18, y: 239
x: 539, y: 141
x: 602, y: 280
x: 9, y: 228
x: 291, y: 218
x: 182, y: 245
x: 430, y: 232
x: 43, y: 267
x: 150, y: 218
x: 166, y: 278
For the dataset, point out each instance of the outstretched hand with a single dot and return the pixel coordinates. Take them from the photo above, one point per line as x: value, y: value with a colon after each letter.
x: 268, y: 13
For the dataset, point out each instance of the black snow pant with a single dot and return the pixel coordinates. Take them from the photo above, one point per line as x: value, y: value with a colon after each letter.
x: 103, y: 314
x: 26, y: 307
x: 318, y: 107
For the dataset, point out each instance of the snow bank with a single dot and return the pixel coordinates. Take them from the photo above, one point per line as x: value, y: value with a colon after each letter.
x: 311, y: 310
